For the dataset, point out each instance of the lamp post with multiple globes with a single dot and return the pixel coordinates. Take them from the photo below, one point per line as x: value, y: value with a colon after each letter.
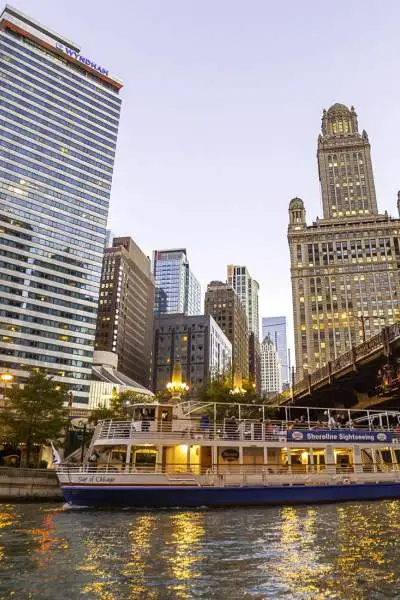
x: 176, y: 387
x: 6, y: 378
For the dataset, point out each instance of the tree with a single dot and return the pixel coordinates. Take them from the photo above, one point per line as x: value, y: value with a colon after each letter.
x: 120, y: 406
x: 220, y: 389
x: 36, y: 413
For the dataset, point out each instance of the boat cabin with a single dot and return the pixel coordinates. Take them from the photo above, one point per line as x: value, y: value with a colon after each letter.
x: 201, y: 438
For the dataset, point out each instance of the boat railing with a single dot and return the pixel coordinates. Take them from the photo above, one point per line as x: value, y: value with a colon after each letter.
x: 182, y: 470
x: 244, y: 430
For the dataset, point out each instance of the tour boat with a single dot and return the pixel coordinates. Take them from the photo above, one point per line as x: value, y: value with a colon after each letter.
x: 194, y: 454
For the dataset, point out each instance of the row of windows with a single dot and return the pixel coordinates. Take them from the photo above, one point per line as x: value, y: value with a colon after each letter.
x: 62, y: 155
x: 36, y: 164
x: 57, y: 88
x: 35, y: 207
x: 45, y: 265
x: 46, y: 358
x: 70, y: 120
x: 50, y: 299
x: 44, y: 242
x: 47, y: 288
x: 67, y: 204
x: 46, y: 310
x: 55, y: 181
x: 85, y: 156
x: 52, y: 123
x: 30, y: 250
x: 54, y: 232
x: 19, y: 82
x: 46, y: 322
x: 60, y: 73
x: 85, y: 146
x: 9, y: 339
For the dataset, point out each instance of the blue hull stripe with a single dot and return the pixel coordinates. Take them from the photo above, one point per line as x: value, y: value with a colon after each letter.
x: 188, y: 496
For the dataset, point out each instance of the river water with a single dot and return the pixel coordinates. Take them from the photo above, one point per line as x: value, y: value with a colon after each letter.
x: 344, y: 551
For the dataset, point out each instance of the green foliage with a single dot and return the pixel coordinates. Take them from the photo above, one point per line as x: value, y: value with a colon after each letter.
x: 36, y: 413
x: 219, y: 389
x: 120, y: 406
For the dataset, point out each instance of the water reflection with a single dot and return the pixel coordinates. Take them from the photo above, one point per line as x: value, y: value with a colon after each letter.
x: 343, y: 552
x: 185, y: 562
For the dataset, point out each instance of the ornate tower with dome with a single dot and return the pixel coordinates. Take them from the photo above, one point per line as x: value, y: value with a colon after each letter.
x: 344, y: 267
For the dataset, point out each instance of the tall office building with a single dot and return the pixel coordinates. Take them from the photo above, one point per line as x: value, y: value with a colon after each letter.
x: 275, y: 328
x: 247, y: 289
x: 177, y: 289
x: 58, y: 130
x: 344, y: 267
x: 125, y: 315
x: 271, y: 383
x: 196, y: 343
x: 224, y: 305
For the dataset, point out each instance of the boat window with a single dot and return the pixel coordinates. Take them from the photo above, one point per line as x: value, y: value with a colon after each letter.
x: 386, y: 456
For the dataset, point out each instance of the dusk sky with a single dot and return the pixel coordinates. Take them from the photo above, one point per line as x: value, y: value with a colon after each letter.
x: 222, y: 103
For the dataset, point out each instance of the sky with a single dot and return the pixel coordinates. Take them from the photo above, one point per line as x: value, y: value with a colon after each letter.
x: 222, y: 105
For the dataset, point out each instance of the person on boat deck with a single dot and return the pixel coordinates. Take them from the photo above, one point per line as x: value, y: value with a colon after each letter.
x: 205, y: 423
x: 258, y: 430
x: 350, y: 423
x: 331, y: 421
x: 93, y: 459
x: 145, y: 419
x: 231, y: 428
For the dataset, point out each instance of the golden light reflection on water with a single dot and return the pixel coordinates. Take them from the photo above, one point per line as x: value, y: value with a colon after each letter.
x: 141, y: 550
x: 187, y: 531
x: 95, y: 560
x: 8, y: 518
x: 299, y: 567
x: 340, y: 558
x: 46, y: 539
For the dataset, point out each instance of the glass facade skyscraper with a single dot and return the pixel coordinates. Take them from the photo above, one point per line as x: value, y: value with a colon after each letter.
x: 59, y: 115
x: 177, y: 289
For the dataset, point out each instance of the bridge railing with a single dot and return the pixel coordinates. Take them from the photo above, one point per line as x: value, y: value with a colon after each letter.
x: 346, y: 359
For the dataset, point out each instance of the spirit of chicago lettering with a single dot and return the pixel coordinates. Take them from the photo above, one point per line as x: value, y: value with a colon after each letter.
x: 82, y: 59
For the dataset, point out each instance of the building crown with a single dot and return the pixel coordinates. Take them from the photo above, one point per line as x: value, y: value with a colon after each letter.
x: 339, y: 120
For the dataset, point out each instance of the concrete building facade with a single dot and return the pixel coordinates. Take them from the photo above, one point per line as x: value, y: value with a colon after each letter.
x: 344, y: 267
x: 225, y: 306
x: 195, y: 343
x: 125, y: 314
x: 58, y: 132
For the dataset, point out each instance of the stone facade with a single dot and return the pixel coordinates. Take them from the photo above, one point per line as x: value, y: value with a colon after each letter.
x: 125, y: 315
x: 344, y: 267
x: 224, y: 305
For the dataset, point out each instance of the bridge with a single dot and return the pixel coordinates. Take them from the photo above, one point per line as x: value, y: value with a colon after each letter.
x: 366, y: 376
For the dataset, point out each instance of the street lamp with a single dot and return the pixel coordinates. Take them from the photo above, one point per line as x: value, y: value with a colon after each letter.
x: 176, y: 387
x: 6, y: 378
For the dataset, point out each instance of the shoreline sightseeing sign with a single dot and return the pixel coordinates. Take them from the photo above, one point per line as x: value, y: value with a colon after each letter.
x: 338, y: 435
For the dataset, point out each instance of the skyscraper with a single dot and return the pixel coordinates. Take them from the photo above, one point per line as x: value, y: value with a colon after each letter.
x: 275, y: 328
x: 125, y: 315
x: 271, y: 383
x: 345, y: 278
x: 58, y: 129
x: 177, y: 289
x: 224, y: 305
x: 247, y: 289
